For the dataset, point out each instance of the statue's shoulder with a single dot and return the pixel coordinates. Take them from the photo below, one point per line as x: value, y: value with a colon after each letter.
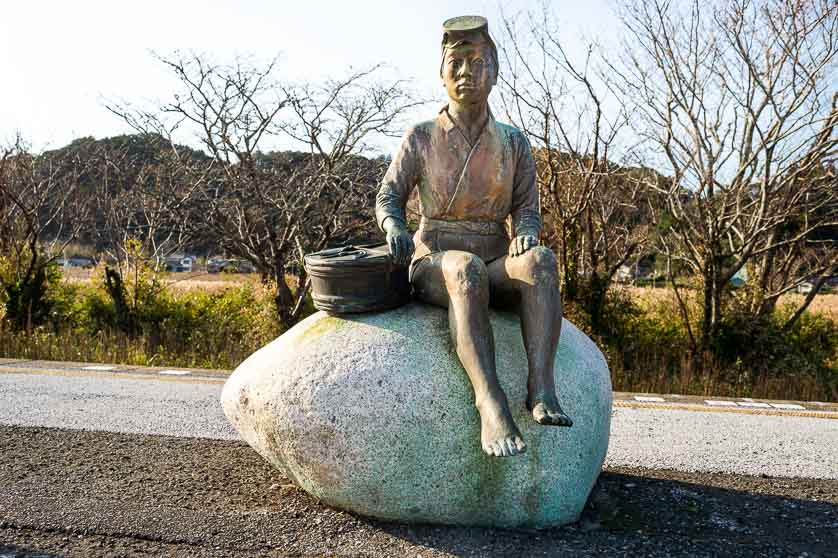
x: 421, y: 130
x: 512, y: 135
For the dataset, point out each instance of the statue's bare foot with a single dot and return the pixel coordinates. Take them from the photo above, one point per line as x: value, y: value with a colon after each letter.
x: 498, y: 433
x: 547, y: 411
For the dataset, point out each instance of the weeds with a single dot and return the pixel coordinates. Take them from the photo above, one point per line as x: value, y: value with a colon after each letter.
x: 189, y: 328
x: 217, y: 324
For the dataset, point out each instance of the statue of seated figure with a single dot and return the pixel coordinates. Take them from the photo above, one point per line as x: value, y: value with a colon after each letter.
x: 472, y: 174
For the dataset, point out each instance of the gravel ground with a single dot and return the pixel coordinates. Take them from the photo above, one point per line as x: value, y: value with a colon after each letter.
x: 94, y: 494
x: 649, y: 438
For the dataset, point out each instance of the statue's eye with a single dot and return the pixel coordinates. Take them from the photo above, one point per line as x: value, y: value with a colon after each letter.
x: 478, y: 62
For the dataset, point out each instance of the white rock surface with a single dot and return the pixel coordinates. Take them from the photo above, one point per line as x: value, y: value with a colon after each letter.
x: 374, y: 414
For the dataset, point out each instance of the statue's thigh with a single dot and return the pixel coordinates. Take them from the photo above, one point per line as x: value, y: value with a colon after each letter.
x: 504, y: 289
x: 439, y: 276
x: 428, y: 280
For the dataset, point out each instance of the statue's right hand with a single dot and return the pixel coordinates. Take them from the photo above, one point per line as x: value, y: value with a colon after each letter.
x: 400, y: 242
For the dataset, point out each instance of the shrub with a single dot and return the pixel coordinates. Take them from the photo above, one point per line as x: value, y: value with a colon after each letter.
x: 176, y: 328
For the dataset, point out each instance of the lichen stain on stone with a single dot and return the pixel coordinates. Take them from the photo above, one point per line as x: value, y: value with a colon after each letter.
x: 315, y: 458
x: 322, y: 326
x: 533, y: 499
x: 244, y: 402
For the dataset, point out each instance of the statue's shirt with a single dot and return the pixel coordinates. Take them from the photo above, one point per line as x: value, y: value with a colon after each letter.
x: 466, y: 191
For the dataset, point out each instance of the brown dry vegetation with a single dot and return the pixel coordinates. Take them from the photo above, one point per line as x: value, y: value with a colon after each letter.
x: 826, y: 303
x: 210, y: 282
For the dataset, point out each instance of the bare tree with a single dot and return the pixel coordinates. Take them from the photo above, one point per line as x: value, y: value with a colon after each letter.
x: 573, y: 122
x: 141, y: 189
x: 40, y: 214
x: 738, y: 96
x: 271, y: 209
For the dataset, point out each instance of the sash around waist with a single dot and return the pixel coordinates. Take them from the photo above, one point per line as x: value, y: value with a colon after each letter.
x: 485, y: 228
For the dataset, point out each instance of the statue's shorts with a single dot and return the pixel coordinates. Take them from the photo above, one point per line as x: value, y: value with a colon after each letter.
x: 486, y: 239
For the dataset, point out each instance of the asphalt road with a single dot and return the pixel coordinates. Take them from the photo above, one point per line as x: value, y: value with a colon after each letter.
x: 702, y: 439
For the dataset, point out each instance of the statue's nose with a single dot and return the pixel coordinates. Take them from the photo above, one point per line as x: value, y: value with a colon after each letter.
x: 465, y: 69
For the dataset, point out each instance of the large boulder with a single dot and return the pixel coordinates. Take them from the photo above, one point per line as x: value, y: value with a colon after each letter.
x: 374, y: 414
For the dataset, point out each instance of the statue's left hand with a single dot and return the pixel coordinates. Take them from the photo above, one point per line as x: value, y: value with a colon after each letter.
x: 521, y: 244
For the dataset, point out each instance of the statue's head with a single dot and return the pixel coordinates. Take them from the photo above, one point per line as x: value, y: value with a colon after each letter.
x: 469, y: 66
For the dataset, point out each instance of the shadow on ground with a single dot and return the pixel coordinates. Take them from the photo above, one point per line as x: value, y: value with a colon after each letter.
x: 640, y: 512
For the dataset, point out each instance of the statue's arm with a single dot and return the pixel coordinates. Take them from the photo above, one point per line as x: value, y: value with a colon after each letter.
x: 398, y: 182
x: 526, y: 208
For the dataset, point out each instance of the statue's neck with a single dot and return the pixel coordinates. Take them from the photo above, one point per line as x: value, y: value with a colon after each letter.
x: 470, y: 117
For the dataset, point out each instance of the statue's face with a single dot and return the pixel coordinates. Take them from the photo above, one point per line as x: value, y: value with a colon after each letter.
x: 469, y: 73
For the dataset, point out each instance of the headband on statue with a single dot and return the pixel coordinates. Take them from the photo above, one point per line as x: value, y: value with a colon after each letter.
x: 471, y: 30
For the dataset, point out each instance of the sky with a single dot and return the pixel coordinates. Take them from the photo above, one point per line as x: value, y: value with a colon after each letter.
x: 60, y: 60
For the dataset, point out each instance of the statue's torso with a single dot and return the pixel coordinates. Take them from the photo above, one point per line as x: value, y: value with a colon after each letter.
x: 465, y: 190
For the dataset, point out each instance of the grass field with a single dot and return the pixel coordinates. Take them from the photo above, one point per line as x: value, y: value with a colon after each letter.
x: 826, y: 303
x: 823, y: 303
x: 202, y: 280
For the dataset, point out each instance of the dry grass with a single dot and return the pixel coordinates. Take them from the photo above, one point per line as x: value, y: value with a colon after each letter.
x: 645, y: 353
x: 826, y: 304
x: 199, y: 280
x: 646, y: 297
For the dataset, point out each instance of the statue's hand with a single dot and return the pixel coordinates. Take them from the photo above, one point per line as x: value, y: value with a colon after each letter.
x: 521, y: 244
x: 400, y: 242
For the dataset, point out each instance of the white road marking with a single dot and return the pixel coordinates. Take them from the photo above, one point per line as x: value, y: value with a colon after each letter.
x: 754, y: 404
x: 714, y: 403
x: 174, y: 372
x: 100, y: 368
x: 788, y: 406
x: 649, y: 399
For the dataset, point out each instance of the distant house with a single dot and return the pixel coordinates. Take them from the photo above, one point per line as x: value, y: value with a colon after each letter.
x: 82, y: 262
x: 624, y: 274
x: 642, y: 270
x: 180, y: 263
x: 740, y: 277
x: 806, y: 286
x: 227, y: 265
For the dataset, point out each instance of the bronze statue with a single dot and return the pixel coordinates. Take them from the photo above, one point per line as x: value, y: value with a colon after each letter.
x: 473, y: 173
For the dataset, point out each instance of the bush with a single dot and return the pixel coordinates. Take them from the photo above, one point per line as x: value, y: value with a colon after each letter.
x: 24, y: 296
x: 176, y: 328
x: 646, y: 346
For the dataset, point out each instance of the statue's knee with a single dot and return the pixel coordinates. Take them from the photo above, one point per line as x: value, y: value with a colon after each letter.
x: 541, y: 264
x: 466, y: 274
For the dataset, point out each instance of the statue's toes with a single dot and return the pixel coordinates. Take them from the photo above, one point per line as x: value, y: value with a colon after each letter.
x: 562, y: 420
x: 540, y: 414
x: 550, y: 417
x: 511, y: 447
x: 505, y: 447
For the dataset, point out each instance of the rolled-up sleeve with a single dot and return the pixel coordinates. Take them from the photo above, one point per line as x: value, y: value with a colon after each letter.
x: 526, y: 209
x: 398, y: 182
